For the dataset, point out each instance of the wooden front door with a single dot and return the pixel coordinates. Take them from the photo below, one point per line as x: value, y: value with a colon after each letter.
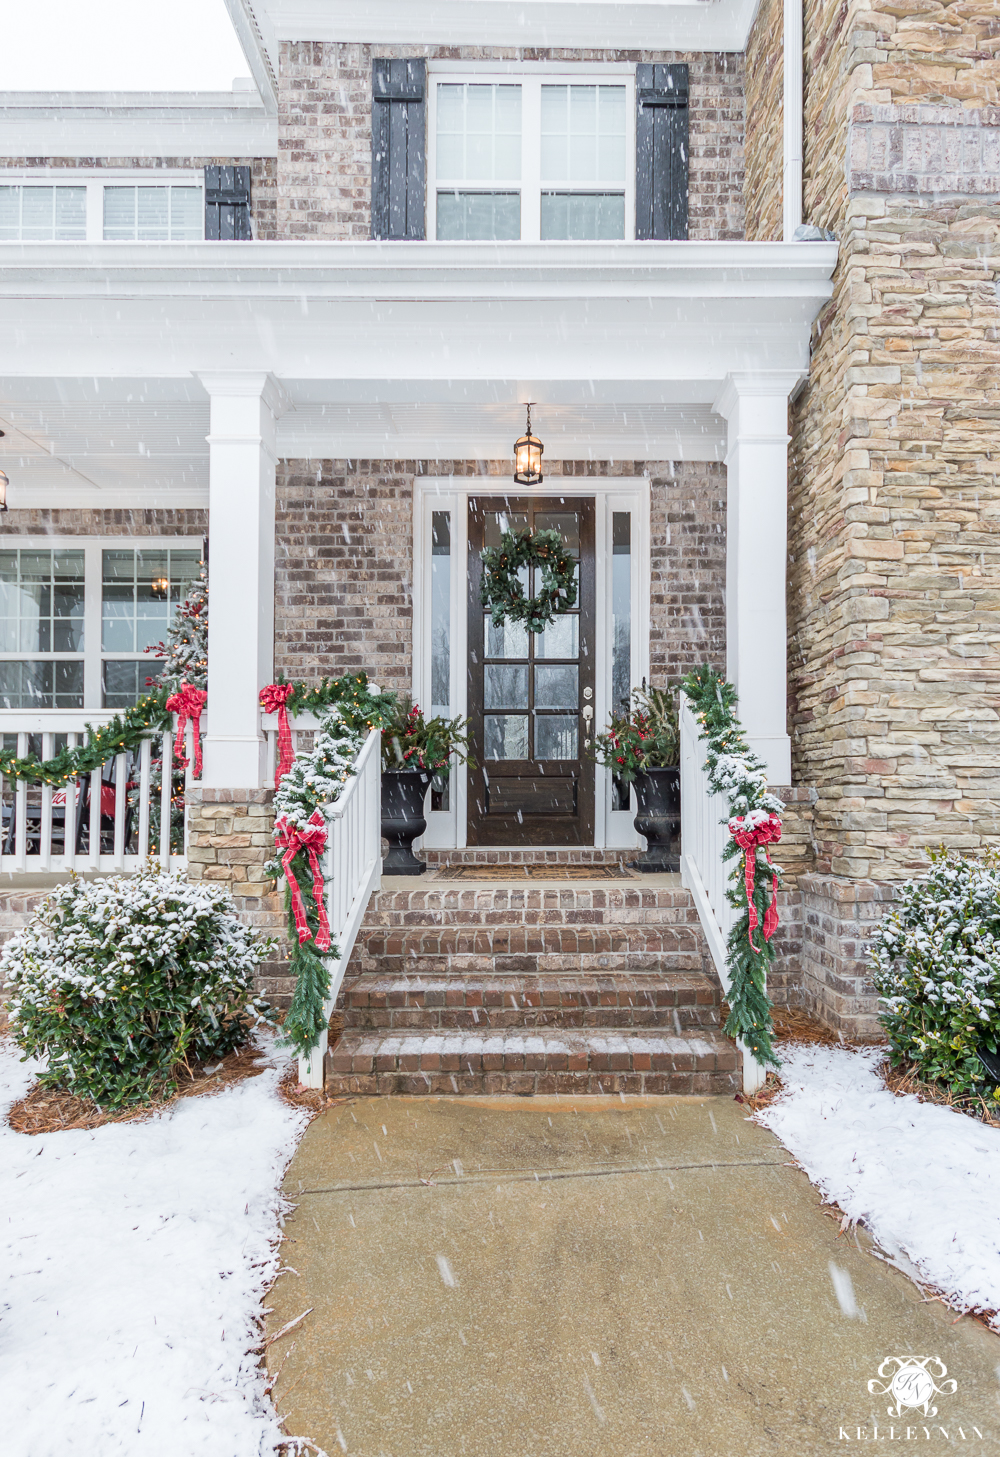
x: 529, y: 694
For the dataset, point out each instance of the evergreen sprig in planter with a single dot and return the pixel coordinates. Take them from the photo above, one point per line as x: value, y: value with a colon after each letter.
x: 642, y: 747
x: 415, y: 750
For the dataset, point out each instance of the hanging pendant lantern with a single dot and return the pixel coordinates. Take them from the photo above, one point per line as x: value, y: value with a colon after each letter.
x: 528, y: 457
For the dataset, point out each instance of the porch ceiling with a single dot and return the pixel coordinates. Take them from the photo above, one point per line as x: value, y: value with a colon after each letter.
x: 388, y: 351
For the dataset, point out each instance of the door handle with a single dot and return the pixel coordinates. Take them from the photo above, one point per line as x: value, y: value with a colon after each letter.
x: 588, y: 714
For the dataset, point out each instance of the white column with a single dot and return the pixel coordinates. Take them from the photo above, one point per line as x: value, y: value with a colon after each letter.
x: 756, y: 408
x: 245, y: 408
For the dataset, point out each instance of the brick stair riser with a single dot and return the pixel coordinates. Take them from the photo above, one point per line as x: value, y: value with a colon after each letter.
x: 527, y: 855
x: 687, y: 1018
x: 525, y: 963
x: 516, y: 901
x: 531, y: 1084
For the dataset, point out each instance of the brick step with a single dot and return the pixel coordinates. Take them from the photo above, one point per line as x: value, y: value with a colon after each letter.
x: 450, y: 905
x: 566, y: 1061
x: 675, y: 1002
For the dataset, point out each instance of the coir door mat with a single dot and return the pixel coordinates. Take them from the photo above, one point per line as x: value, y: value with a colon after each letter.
x: 536, y: 872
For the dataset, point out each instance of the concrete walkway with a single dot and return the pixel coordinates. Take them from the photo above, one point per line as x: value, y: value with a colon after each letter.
x: 591, y: 1278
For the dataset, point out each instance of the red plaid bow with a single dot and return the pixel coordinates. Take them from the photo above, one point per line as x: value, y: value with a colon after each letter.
x: 188, y: 703
x: 274, y: 699
x: 758, y: 828
x: 312, y: 840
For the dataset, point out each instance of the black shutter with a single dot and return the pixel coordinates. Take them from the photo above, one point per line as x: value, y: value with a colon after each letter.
x: 661, y: 151
x: 227, y: 203
x: 399, y: 162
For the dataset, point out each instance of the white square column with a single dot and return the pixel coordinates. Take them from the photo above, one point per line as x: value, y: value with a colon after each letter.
x: 756, y: 408
x: 243, y: 456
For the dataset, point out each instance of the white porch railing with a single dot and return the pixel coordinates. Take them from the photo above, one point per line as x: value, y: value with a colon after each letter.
x: 100, y: 821
x: 352, y: 866
x: 703, y: 838
x: 269, y: 725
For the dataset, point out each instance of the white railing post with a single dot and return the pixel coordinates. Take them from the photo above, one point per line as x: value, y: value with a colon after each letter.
x: 352, y: 869
x: 703, y: 839
x: 166, y: 796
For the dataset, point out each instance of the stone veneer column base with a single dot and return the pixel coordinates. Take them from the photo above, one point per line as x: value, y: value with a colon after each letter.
x: 838, y: 917
x: 230, y: 841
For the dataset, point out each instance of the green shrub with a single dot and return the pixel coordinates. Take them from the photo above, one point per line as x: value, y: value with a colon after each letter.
x: 936, y: 966
x: 118, y: 982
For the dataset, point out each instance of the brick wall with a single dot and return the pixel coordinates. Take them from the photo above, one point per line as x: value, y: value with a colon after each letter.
x: 345, y: 569
x: 79, y: 521
x: 764, y: 143
x: 263, y: 176
x: 324, y: 132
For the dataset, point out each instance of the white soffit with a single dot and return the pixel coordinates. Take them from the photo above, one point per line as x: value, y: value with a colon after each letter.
x: 136, y: 124
x: 680, y: 25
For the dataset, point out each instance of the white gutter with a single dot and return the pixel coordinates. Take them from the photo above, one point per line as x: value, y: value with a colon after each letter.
x: 792, y: 120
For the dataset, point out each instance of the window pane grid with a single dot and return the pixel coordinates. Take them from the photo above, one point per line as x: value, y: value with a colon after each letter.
x: 161, y: 214
x: 43, y: 214
x: 139, y: 594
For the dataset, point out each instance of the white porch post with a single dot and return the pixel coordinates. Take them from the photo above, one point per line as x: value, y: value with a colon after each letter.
x: 245, y: 408
x: 756, y: 407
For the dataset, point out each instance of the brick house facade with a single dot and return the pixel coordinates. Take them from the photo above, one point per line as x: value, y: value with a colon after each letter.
x: 887, y: 386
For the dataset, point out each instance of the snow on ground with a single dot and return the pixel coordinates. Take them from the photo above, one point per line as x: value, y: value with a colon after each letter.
x: 923, y: 1178
x: 135, y: 1257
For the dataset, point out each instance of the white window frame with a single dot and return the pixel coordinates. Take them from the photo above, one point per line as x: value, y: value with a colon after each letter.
x: 96, y: 179
x: 93, y: 655
x: 531, y: 77
x: 447, y: 829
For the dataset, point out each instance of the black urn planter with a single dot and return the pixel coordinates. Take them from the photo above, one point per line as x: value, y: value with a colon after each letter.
x: 403, y: 792
x: 659, y: 819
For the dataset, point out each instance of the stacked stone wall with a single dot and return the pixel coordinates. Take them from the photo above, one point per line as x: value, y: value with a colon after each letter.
x: 324, y: 131
x: 894, y: 588
x: 345, y: 560
x: 764, y: 141
x: 263, y: 177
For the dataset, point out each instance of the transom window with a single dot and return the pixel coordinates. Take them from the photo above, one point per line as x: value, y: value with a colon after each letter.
x: 537, y: 157
x: 76, y: 617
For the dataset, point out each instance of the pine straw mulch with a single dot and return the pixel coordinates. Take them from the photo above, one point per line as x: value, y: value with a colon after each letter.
x: 52, y: 1110
x: 905, y: 1079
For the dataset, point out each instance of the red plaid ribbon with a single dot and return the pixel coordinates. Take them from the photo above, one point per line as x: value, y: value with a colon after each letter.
x: 312, y: 840
x: 274, y: 699
x: 188, y: 704
x: 758, y: 828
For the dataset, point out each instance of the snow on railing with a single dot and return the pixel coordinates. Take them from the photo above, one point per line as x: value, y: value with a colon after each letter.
x: 704, y: 836
x: 352, y: 866
x: 269, y: 725
x: 104, y: 820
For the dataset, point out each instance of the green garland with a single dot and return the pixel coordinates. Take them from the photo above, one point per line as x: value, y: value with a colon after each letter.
x: 501, y: 589
x: 120, y: 735
x: 736, y: 771
x: 350, y: 694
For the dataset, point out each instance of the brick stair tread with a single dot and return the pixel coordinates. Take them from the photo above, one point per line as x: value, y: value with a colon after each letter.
x: 590, y: 1049
x: 375, y: 989
x: 449, y: 899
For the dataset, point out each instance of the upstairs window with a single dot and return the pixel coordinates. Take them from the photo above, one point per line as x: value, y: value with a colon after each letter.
x: 43, y: 214
x: 534, y: 157
x: 153, y: 214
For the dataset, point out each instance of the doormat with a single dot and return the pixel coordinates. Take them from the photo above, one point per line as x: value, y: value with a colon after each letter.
x: 536, y: 872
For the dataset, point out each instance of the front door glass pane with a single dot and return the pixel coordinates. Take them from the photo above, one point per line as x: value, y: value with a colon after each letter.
x: 440, y: 613
x: 561, y: 639
x: 506, y: 639
x: 557, y: 687
x: 506, y: 736
x: 505, y: 687
x: 556, y: 736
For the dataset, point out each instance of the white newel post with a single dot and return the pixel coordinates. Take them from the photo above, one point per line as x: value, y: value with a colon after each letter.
x: 245, y: 409
x: 756, y: 408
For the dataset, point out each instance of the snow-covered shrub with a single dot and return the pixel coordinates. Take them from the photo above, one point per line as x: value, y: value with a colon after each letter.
x: 117, y: 982
x: 936, y: 966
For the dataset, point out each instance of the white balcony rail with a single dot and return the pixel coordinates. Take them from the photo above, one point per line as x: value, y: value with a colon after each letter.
x: 100, y: 821
x: 352, y: 866
x: 703, y: 838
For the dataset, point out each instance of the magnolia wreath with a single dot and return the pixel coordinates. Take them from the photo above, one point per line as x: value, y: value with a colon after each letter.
x: 501, y: 589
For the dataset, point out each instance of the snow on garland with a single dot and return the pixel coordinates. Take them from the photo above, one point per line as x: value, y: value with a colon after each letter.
x: 315, y: 778
x: 736, y: 771
x: 501, y: 590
